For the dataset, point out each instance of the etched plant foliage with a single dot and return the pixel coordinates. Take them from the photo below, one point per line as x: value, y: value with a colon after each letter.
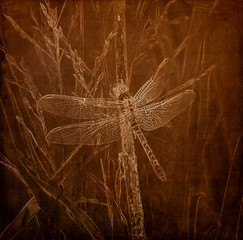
x: 112, y: 113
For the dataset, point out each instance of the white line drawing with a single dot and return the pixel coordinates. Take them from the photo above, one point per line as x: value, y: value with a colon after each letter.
x: 105, y: 115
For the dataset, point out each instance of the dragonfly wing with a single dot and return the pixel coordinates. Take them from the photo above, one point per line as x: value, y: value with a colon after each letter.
x: 154, y: 86
x: 87, y: 133
x: 78, y: 108
x: 158, y: 114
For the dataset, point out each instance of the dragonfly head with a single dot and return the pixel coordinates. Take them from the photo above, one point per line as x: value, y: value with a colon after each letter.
x: 120, y: 90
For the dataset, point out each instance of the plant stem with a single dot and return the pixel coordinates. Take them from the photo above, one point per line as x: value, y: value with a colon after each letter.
x: 128, y: 156
x: 120, y: 41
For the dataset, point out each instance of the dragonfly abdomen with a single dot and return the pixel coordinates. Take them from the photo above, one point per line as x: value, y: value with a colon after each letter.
x: 149, y: 152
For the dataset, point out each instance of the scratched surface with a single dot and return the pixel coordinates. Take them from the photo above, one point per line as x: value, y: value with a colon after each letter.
x: 199, y: 149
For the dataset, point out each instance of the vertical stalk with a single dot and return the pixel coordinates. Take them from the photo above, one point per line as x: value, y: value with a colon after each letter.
x: 120, y: 41
x: 128, y: 156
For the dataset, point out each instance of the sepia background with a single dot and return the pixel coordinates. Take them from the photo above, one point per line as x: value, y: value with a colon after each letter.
x: 62, y: 47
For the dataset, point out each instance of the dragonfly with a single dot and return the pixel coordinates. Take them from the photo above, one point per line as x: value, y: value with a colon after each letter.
x: 100, y: 118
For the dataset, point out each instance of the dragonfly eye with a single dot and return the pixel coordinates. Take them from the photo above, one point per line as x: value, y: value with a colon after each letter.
x: 120, y: 89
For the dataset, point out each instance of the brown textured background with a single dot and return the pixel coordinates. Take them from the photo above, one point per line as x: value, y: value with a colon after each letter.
x: 198, y: 159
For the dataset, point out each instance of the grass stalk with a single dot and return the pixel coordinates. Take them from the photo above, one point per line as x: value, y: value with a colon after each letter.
x: 129, y: 158
x: 226, y: 187
x: 238, y: 220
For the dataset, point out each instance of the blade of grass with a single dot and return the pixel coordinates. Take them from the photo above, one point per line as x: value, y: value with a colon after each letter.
x: 46, y: 164
x: 8, y: 124
x: 108, y: 200
x: 238, y: 220
x: 226, y: 186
